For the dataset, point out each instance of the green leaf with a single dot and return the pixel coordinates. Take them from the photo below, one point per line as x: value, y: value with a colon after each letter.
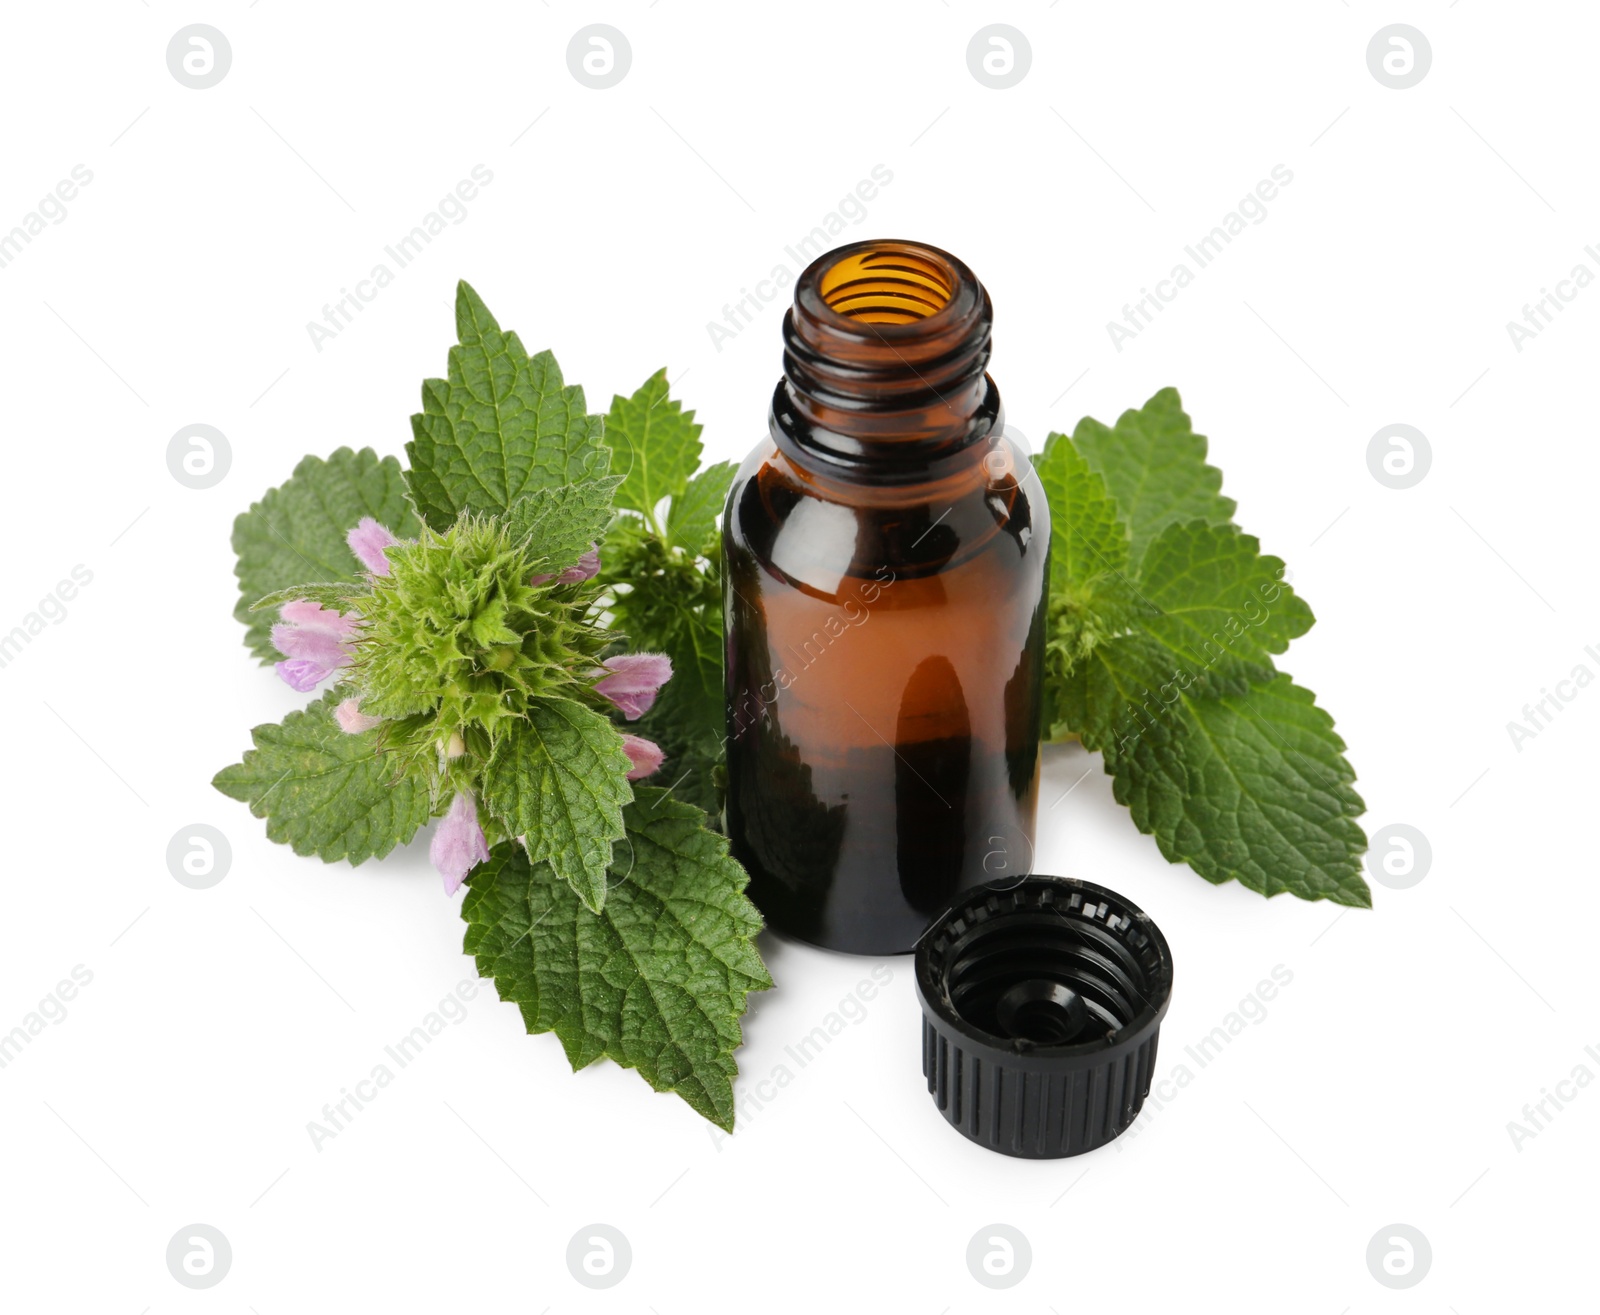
x: 296, y: 533
x: 1252, y: 788
x: 1088, y: 540
x: 561, y: 524
x: 1092, y: 595
x: 665, y: 582
x: 1115, y: 691
x: 1159, y: 654
x: 559, y: 781
x: 692, y: 520
x: 1205, y: 616
x: 1217, y: 605
x: 501, y: 426
x: 656, y: 441
x: 325, y: 792
x: 657, y: 981
x: 1154, y: 465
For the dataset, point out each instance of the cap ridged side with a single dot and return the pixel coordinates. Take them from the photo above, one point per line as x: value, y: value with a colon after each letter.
x: 1031, y: 1114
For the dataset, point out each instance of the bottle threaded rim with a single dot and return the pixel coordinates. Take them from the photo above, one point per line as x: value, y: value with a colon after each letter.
x: 886, y: 352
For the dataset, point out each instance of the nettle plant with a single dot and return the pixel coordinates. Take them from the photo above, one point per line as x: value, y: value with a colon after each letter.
x: 1165, y: 622
x: 478, y: 670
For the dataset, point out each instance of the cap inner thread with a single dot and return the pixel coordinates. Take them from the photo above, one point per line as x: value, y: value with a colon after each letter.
x: 1036, y: 950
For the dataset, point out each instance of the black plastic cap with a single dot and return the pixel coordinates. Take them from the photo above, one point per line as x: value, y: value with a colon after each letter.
x: 1042, y: 1002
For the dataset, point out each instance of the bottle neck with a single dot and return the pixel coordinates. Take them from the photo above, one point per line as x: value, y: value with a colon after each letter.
x: 884, y: 358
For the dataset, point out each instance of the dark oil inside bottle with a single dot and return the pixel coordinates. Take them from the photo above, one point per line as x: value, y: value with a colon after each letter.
x: 885, y: 570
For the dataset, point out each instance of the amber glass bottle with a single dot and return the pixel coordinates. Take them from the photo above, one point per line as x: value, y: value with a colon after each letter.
x: 886, y: 568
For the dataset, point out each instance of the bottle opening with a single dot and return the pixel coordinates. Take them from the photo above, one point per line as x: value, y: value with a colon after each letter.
x: 884, y: 357
x: 886, y: 286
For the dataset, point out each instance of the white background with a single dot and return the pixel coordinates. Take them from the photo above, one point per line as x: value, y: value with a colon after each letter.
x: 1378, y: 1087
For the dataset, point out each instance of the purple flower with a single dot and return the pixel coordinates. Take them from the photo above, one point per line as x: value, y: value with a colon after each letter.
x: 367, y: 541
x: 301, y: 674
x: 315, y: 639
x: 645, y: 756
x: 458, y: 844
x: 588, y: 566
x: 634, y: 681
x: 352, y: 721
